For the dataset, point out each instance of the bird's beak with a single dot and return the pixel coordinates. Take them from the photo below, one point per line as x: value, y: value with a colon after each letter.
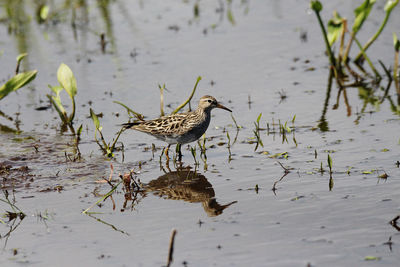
x: 223, y: 107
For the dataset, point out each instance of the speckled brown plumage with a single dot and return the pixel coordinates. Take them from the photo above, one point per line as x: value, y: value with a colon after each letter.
x: 180, y: 128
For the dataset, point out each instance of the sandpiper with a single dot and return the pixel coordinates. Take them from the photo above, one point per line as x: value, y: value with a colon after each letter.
x: 180, y: 128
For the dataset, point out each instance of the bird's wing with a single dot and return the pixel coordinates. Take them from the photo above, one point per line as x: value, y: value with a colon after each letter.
x: 166, y: 125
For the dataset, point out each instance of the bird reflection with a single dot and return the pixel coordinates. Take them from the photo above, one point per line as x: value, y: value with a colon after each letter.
x: 191, y: 186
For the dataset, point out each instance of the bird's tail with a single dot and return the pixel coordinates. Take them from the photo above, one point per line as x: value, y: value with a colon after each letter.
x: 129, y: 124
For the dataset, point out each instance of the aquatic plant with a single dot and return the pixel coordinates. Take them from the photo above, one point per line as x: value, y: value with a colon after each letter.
x: 67, y: 82
x: 189, y: 98
x: 18, y: 80
x: 330, y: 172
x: 396, y: 44
x: 256, y: 132
x: 107, y: 148
x: 337, y: 27
x: 193, y: 150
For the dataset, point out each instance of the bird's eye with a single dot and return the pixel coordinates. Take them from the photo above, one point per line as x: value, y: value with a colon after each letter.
x: 209, y: 100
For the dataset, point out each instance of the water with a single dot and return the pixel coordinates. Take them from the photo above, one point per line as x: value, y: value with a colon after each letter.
x: 260, y: 57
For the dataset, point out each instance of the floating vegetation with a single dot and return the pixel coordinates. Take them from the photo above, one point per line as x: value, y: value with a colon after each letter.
x: 282, y: 155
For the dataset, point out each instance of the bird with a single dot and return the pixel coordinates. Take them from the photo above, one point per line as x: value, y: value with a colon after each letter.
x: 180, y: 128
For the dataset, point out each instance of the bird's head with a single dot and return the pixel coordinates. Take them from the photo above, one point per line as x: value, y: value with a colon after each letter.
x: 208, y: 103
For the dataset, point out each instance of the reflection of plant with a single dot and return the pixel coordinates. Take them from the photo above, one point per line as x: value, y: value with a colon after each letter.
x: 67, y: 82
x: 15, y: 216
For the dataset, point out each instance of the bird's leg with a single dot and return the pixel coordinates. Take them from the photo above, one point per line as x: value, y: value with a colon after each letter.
x: 179, y: 152
x: 166, y: 153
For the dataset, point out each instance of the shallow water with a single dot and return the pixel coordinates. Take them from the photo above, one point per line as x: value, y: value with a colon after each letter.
x: 259, y: 57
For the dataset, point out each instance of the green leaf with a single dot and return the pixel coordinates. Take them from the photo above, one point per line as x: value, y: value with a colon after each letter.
x: 55, y: 89
x: 137, y: 115
x: 95, y: 120
x: 372, y: 258
x: 335, y: 27
x: 67, y: 80
x: 361, y: 13
x: 390, y: 4
x: 230, y: 17
x: 21, y: 56
x: 396, y: 43
x: 17, y: 82
x: 258, y: 118
x: 56, y: 101
x: 316, y: 6
x: 190, y: 97
x: 79, y: 130
x: 44, y: 12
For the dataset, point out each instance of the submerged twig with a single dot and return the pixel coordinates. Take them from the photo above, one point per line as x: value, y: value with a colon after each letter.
x: 108, y: 224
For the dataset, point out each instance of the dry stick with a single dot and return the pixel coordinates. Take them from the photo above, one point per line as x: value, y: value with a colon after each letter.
x: 336, y: 106
x: 346, y: 101
x: 347, y: 51
x: 171, y: 248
